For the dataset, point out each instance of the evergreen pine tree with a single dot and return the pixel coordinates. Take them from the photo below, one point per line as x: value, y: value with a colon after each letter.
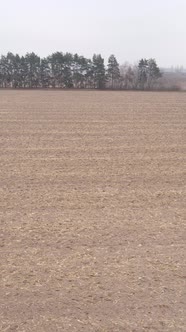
x: 113, y: 72
x: 98, y: 71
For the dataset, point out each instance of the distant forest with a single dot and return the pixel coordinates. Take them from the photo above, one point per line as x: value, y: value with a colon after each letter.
x: 66, y: 70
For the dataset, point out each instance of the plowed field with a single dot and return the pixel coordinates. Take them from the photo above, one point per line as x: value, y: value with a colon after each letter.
x: 92, y: 211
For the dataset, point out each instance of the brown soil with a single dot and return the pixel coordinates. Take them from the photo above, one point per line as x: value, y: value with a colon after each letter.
x: 92, y: 210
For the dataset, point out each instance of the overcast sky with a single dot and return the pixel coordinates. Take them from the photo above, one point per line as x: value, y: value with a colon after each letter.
x: 129, y: 29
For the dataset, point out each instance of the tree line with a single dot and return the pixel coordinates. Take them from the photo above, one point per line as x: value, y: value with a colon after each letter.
x: 66, y: 70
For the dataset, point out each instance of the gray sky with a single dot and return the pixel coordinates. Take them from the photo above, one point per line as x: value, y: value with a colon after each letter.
x: 130, y: 29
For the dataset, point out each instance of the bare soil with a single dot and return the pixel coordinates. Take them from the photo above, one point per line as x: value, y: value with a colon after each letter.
x: 92, y: 211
